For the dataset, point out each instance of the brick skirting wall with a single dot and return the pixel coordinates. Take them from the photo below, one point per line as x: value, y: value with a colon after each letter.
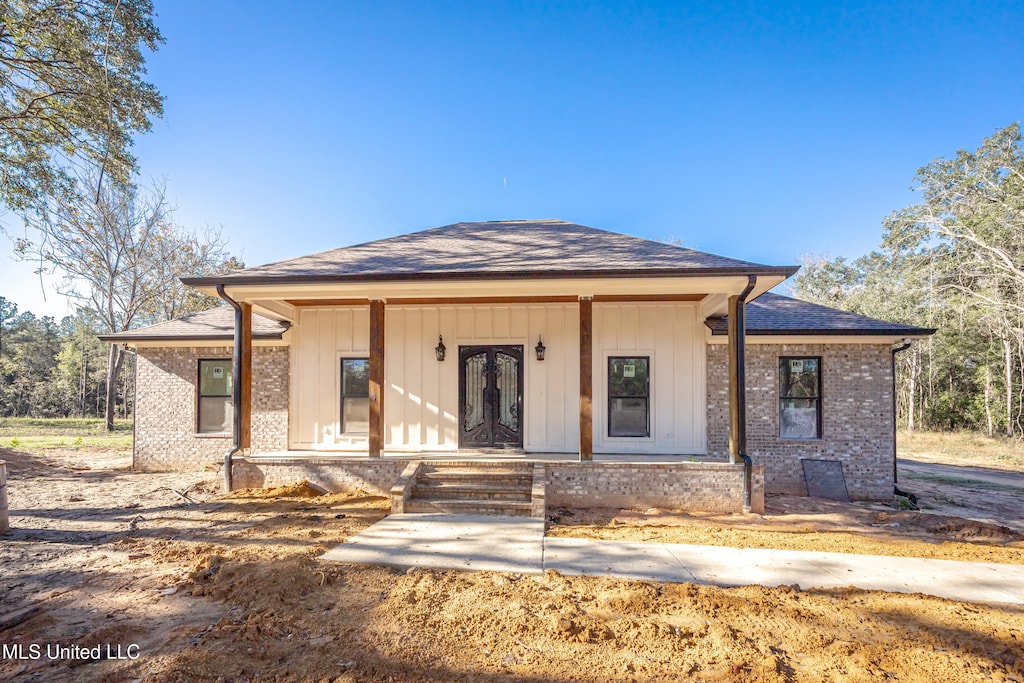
x: 165, y: 408
x: 706, y: 487
x: 334, y: 474
x: 857, y: 416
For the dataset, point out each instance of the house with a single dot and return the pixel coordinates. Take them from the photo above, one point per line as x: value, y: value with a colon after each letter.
x: 622, y: 371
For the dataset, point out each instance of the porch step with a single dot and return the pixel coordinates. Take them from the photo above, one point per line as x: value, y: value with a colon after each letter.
x: 470, y: 507
x: 499, y: 488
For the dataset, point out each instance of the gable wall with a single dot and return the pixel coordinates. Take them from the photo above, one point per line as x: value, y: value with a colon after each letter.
x: 857, y: 417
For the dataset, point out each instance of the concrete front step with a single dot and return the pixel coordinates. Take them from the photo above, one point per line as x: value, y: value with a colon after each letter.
x: 430, y: 472
x: 479, y: 507
x: 500, y: 488
x: 471, y: 489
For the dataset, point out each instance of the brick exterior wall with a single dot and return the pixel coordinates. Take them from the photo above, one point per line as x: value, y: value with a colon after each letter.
x: 165, y: 409
x: 857, y: 416
x: 332, y: 473
x: 707, y: 487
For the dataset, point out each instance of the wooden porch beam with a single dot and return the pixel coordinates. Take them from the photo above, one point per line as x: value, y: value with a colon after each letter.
x: 376, y: 378
x: 245, y: 378
x: 586, y: 378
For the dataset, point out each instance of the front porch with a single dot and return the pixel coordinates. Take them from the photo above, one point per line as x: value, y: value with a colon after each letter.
x: 557, y: 480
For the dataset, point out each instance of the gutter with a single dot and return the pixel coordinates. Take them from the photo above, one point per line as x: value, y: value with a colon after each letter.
x: 896, y: 349
x: 741, y: 389
x: 236, y: 389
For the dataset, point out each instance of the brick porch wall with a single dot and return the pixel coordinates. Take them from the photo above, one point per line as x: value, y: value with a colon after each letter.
x: 165, y: 417
x: 857, y: 417
x: 706, y: 487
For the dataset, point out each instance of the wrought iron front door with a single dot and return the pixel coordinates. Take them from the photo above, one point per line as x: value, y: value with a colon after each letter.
x: 491, y: 396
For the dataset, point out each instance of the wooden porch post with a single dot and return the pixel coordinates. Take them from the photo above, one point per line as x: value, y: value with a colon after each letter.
x: 737, y: 378
x: 586, y: 378
x: 244, y: 379
x: 376, y: 377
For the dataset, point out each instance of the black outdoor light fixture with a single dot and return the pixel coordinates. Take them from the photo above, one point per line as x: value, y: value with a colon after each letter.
x: 439, y: 349
x: 539, y: 348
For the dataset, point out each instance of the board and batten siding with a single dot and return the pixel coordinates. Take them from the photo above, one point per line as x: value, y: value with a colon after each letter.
x: 673, y: 337
x: 421, y: 403
x: 323, y: 336
x: 421, y: 406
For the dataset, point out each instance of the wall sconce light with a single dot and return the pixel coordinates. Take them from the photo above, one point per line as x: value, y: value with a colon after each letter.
x: 539, y: 348
x: 439, y: 350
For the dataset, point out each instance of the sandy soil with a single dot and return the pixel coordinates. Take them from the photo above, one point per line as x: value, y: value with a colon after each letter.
x: 230, y: 589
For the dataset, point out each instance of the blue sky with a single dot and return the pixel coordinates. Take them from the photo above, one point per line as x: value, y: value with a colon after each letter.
x: 758, y: 130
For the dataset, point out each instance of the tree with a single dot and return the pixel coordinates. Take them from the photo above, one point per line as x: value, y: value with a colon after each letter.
x: 183, y: 252
x: 953, y: 261
x: 105, y: 244
x: 8, y: 311
x: 71, y: 93
x: 973, y: 209
x: 121, y: 256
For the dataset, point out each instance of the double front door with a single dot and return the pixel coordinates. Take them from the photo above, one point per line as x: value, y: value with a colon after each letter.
x: 491, y: 396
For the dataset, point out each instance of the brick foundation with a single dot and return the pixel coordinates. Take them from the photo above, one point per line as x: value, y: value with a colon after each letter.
x: 165, y: 411
x: 857, y: 418
x: 334, y: 474
x: 706, y: 487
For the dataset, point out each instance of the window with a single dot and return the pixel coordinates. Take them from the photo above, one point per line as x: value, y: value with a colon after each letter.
x: 216, y: 409
x: 355, y: 395
x: 629, y: 396
x: 800, y: 398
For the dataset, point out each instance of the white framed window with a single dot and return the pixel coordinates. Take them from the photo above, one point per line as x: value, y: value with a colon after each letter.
x: 355, y: 396
x: 214, y: 403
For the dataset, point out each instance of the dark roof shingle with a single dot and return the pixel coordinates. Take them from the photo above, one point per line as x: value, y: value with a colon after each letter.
x: 215, y: 323
x: 537, y: 248
x: 774, y: 314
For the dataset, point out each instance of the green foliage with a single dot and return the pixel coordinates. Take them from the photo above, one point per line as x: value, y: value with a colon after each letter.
x: 35, y: 434
x: 71, y: 93
x: 51, y: 370
x: 955, y: 262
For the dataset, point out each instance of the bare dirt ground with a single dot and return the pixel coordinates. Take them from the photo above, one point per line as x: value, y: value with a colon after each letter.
x: 230, y: 589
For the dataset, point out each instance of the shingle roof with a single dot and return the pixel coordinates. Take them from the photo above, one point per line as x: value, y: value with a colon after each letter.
x: 216, y: 323
x: 537, y: 248
x: 774, y: 314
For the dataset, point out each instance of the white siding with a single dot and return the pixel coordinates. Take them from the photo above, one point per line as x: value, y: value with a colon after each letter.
x: 421, y: 394
x: 322, y: 337
x: 421, y: 404
x: 671, y: 335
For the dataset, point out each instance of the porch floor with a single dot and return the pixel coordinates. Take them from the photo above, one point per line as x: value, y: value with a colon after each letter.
x: 487, y: 456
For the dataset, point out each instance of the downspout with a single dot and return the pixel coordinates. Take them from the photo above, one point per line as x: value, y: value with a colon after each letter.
x: 236, y: 389
x: 896, y: 349
x: 739, y: 326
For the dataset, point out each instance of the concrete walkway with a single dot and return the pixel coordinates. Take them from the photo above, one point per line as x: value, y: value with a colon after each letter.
x: 518, y: 545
